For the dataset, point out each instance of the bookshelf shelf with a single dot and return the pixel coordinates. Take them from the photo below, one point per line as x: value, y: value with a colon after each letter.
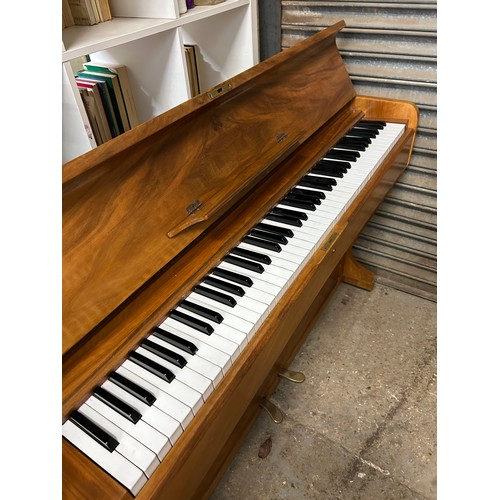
x: 153, y: 51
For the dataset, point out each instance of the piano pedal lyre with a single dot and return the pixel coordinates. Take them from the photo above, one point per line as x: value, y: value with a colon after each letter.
x: 273, y: 411
x: 292, y: 376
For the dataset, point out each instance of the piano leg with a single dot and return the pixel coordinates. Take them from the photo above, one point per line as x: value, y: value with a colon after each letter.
x: 356, y: 274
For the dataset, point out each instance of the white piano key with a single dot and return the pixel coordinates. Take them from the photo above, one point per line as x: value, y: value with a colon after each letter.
x: 277, y: 282
x: 276, y: 258
x: 206, y: 351
x: 194, y: 361
x: 287, y: 253
x: 259, y: 292
x: 143, y: 432
x: 214, y: 340
x: 115, y: 464
x: 165, y: 402
x: 176, y: 388
x: 132, y: 449
x: 197, y: 382
x: 230, y: 314
x: 222, y: 330
x: 156, y: 418
x: 243, y: 308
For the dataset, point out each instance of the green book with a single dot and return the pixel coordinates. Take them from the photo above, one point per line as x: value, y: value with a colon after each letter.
x: 106, y: 102
x: 120, y: 70
x: 114, y: 94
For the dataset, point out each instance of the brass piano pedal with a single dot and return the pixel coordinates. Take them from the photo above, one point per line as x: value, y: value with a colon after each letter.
x: 297, y: 377
x: 274, y: 412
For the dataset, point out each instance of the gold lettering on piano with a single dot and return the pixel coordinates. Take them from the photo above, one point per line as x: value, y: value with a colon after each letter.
x: 194, y: 207
x: 281, y: 137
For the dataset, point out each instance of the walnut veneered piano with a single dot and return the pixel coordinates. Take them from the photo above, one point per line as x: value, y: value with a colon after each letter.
x: 198, y: 248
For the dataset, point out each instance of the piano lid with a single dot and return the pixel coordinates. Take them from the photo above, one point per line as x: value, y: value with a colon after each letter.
x: 133, y: 204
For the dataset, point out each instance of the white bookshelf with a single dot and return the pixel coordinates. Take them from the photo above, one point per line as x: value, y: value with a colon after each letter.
x: 153, y: 51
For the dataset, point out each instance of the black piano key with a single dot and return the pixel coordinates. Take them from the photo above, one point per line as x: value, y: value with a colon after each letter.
x: 179, y: 342
x: 132, y: 388
x: 269, y: 228
x: 266, y: 242
x: 258, y: 234
x: 232, y: 276
x: 284, y: 219
x: 362, y: 132
x: 303, y: 197
x: 309, y: 192
x: 362, y: 141
x: 303, y: 204
x: 244, y: 264
x: 289, y: 213
x: 94, y: 431
x: 151, y: 366
x: 125, y: 410
x: 317, y: 183
x: 224, y: 285
x: 332, y: 169
x: 333, y: 173
x: 336, y: 163
x: 249, y: 254
x: 195, y: 323
x: 339, y: 154
x: 164, y: 353
x: 375, y: 124
x: 351, y: 146
x: 203, y: 311
x: 222, y: 298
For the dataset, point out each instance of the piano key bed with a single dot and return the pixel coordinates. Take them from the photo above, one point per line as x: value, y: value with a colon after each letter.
x: 129, y: 423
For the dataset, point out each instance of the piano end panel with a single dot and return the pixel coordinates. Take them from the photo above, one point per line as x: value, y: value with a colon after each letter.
x: 391, y: 110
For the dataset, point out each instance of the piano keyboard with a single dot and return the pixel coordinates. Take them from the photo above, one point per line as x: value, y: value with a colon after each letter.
x: 130, y: 422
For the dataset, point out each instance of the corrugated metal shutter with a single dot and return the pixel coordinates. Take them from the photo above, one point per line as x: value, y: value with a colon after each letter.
x: 389, y: 49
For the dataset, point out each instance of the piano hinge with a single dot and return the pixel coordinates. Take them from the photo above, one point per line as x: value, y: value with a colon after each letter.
x: 221, y: 89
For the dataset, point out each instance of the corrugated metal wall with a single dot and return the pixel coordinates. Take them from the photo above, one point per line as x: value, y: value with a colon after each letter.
x: 389, y: 49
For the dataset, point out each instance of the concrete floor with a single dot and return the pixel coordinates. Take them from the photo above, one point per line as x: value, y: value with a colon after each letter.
x: 363, y: 424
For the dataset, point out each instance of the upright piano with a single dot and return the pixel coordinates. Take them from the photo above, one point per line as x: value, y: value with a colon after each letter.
x: 198, y: 248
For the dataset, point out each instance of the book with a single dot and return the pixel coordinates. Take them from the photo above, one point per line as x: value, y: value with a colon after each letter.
x: 67, y: 16
x: 106, y: 101
x: 104, y: 10
x: 121, y: 72
x: 194, y: 83
x: 95, y: 131
x: 194, y: 69
x: 82, y: 11
x: 95, y: 11
x: 115, y: 95
x: 208, y: 2
x: 96, y: 112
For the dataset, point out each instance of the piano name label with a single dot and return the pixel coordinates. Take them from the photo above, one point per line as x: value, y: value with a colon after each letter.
x: 329, y: 242
x: 194, y: 207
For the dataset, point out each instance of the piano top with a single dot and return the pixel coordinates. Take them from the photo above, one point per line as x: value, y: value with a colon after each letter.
x: 134, y: 204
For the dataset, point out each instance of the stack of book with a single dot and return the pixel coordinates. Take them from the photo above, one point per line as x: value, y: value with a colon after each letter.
x: 107, y: 99
x: 84, y: 12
